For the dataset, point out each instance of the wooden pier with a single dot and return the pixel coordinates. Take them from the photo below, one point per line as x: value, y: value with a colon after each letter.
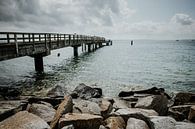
x: 38, y: 45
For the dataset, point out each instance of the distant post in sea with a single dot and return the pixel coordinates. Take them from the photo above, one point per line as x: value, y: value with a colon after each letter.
x: 131, y: 42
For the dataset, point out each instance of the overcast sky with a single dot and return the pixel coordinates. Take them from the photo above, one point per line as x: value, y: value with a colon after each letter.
x: 115, y: 19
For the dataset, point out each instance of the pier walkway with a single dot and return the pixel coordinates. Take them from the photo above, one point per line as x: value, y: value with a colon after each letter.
x: 38, y: 45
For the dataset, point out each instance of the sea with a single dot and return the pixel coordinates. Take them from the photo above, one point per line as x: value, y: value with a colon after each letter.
x: 168, y: 64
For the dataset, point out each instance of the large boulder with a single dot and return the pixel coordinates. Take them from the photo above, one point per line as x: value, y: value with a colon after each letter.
x: 182, y: 98
x: 86, y: 92
x: 191, y: 115
x: 24, y: 120
x: 157, y: 102
x: 133, y: 123
x: 8, y: 108
x: 185, y: 125
x: 65, y: 107
x: 115, y: 123
x: 81, y: 121
x: 180, y: 112
x: 43, y: 111
x: 85, y: 106
x: 163, y: 122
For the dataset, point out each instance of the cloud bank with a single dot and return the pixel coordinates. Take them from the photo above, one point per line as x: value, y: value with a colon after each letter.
x: 110, y: 18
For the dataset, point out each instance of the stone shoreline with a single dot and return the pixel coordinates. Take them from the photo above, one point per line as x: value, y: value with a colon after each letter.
x: 87, y: 108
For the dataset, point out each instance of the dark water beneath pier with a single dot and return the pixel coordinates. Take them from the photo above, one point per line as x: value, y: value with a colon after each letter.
x: 168, y: 64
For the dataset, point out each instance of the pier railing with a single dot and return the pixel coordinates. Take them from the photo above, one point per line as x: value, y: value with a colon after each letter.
x: 17, y: 44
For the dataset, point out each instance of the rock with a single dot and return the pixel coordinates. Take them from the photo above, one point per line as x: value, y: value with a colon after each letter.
x: 180, y: 112
x: 102, y: 127
x: 182, y: 97
x: 153, y: 91
x: 163, y: 122
x: 86, y: 92
x: 24, y: 120
x: 156, y: 102
x: 184, y: 125
x: 68, y: 127
x: 115, y: 123
x: 53, y: 101
x: 85, y: 106
x: 45, y: 103
x: 142, y: 114
x: 130, y: 98
x: 133, y: 123
x: 119, y: 103
x: 8, y: 108
x: 43, y: 111
x: 191, y: 115
x: 80, y: 121
x: 65, y: 107
x: 145, y: 112
x: 106, y: 107
x: 57, y: 91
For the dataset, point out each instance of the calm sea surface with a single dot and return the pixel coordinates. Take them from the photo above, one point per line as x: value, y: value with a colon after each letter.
x: 167, y: 64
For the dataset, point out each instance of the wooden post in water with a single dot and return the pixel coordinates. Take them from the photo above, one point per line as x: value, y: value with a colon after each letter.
x: 38, y: 59
x: 89, y: 47
x: 75, y: 51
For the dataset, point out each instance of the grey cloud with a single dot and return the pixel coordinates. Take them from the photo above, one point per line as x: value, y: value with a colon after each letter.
x: 58, y: 13
x: 182, y: 19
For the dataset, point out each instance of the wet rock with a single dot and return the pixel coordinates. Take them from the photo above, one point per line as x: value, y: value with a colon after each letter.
x: 8, y: 108
x: 131, y: 98
x: 57, y: 91
x: 68, y: 127
x: 119, y: 103
x: 81, y: 121
x: 156, y: 102
x: 153, y: 91
x: 184, y: 125
x: 53, y: 101
x: 9, y: 92
x: 180, y: 112
x: 133, y: 123
x: 191, y: 116
x: 86, y: 92
x: 65, y: 107
x: 115, y: 123
x: 163, y: 122
x: 106, y: 107
x: 184, y: 97
x: 43, y: 111
x: 85, y: 106
x: 24, y: 120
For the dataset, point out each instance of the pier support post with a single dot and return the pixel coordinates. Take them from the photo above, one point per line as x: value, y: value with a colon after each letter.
x: 89, y: 47
x: 75, y: 51
x: 95, y: 46
x: 38, y: 59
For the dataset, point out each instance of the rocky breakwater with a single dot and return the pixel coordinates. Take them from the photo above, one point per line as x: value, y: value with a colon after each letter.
x: 87, y: 108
